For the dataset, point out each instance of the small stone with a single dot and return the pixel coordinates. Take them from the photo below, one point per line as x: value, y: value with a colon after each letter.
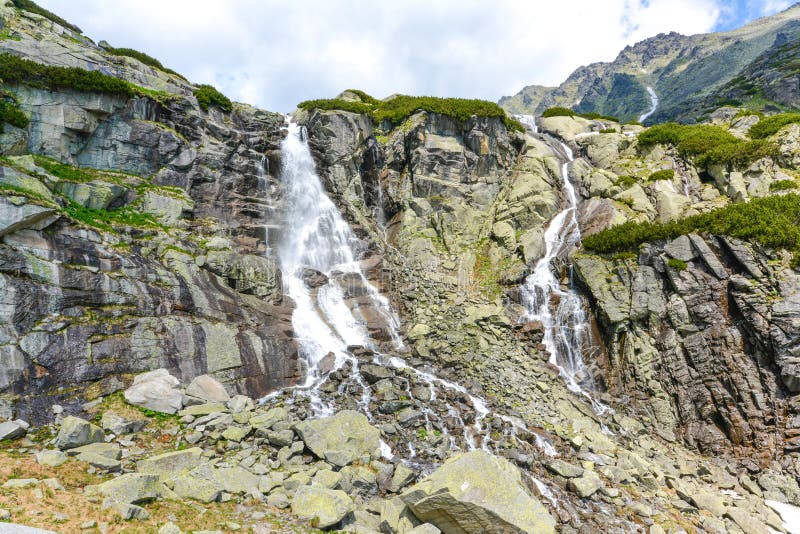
x: 278, y: 500
x: 237, y: 434
x: 5, y: 515
x: 169, y: 528
x: 20, y: 483
x: 566, y: 470
x: 586, y: 485
x: 240, y: 403
x: 127, y: 511
x: 88, y: 524
x: 119, y: 425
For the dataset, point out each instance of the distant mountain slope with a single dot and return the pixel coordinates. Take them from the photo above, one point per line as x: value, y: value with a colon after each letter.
x: 756, y: 65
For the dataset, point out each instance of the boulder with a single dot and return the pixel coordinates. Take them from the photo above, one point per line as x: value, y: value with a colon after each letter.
x: 17, y: 213
x: 51, y: 458
x: 586, y: 485
x: 208, y: 389
x: 340, y: 439
x: 170, y: 464
x: 324, y: 507
x: 76, y: 432
x: 119, y: 425
x: 478, y: 492
x: 313, y: 278
x: 12, y: 430
x: 131, y: 488
x: 155, y: 391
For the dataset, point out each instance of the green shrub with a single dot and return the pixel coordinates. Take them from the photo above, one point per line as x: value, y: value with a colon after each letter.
x: 678, y: 265
x: 11, y: 114
x: 626, y: 181
x: 783, y: 185
x: 592, y: 116
x: 707, y: 144
x: 747, y: 112
x: 627, y: 201
x: 739, y: 154
x: 367, y: 99
x: 666, y: 174
x: 608, y: 131
x: 773, y: 221
x: 397, y: 109
x: 558, y: 111
x: 142, y: 57
x: 624, y: 256
x: 327, y: 104
x: 32, y: 7
x: 770, y: 125
x: 207, y: 96
x: 15, y: 70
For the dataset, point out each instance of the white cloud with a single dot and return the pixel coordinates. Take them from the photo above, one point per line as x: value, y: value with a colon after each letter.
x: 274, y: 53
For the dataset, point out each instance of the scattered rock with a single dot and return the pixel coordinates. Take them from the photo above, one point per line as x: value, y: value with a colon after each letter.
x: 208, y: 389
x: 341, y: 438
x: 10, y: 430
x: 155, y: 391
x: 323, y: 507
x: 130, y: 488
x: 51, y: 458
x: 586, y: 485
x: 170, y: 464
x: 75, y: 432
x: 118, y: 425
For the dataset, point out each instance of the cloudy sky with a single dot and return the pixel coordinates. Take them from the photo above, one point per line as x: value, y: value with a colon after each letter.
x: 275, y: 53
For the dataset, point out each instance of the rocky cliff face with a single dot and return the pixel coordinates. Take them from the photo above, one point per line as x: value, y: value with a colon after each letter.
x: 136, y: 235
x: 86, y: 303
x: 692, y: 75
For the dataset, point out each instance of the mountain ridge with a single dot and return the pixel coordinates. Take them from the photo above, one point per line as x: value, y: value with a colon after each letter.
x: 684, y: 71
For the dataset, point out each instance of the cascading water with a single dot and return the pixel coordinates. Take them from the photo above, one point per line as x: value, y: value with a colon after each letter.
x: 653, y: 104
x: 560, y: 311
x: 320, y: 240
x: 325, y: 326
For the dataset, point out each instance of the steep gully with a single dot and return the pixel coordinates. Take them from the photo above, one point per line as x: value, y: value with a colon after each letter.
x: 330, y: 332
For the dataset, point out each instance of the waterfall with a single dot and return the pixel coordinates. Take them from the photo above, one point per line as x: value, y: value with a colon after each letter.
x: 560, y: 311
x: 653, y: 104
x: 319, y: 239
x: 529, y: 121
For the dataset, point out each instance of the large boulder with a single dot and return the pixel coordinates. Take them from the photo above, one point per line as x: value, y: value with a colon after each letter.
x: 17, y: 213
x: 12, y: 430
x: 340, y: 439
x: 131, y: 488
x: 208, y: 389
x: 323, y: 507
x: 170, y: 464
x: 477, y: 492
x: 155, y: 391
x: 76, y: 432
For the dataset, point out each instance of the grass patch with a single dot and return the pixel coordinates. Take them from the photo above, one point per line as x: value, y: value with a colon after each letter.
x: 770, y: 125
x: 783, y: 185
x: 666, y: 174
x: 608, y: 131
x: 33, y: 7
x: 626, y: 181
x: 678, y: 265
x: 708, y: 144
x: 15, y: 70
x: 150, y: 61
x: 399, y: 108
x: 207, y: 96
x: 8, y: 189
x: 772, y: 221
x: 111, y: 220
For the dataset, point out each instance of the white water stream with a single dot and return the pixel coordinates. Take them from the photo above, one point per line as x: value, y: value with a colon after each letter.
x: 324, y: 324
x: 560, y: 311
x: 653, y: 104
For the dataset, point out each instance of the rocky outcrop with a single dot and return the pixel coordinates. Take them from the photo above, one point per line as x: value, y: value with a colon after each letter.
x: 709, y: 348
